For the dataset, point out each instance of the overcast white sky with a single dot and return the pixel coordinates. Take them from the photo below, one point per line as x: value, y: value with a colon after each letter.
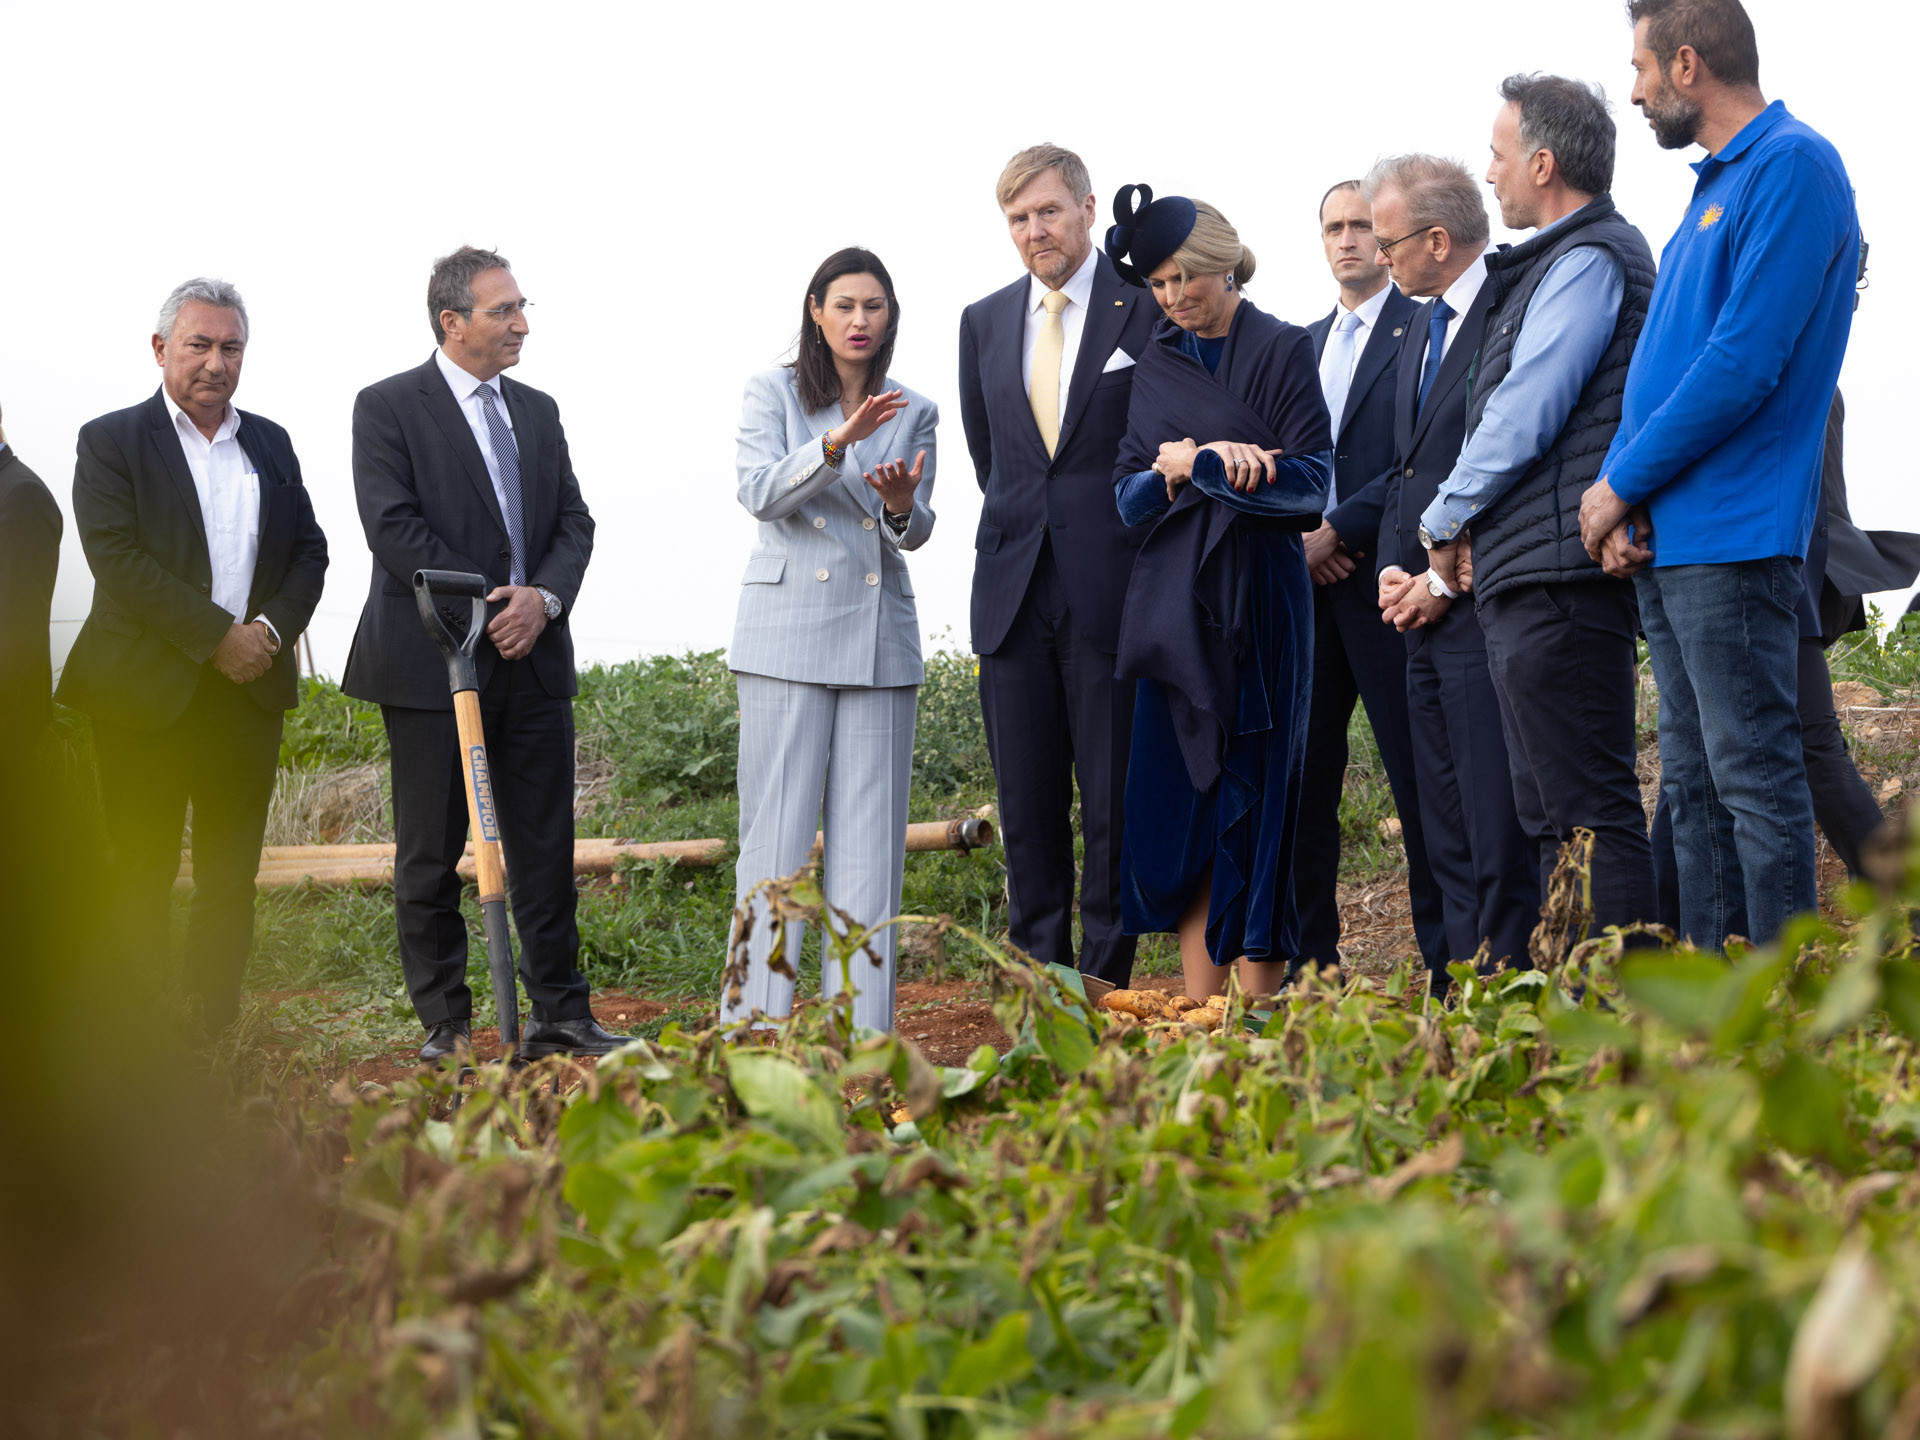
x: 665, y: 179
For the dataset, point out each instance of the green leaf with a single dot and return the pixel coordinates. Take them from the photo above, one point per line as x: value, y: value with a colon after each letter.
x: 1690, y: 992
x: 1850, y: 995
x: 1001, y: 1358
x: 1900, y: 996
x: 1804, y: 1109
x: 773, y: 1088
x: 1062, y: 1038
x: 1753, y: 983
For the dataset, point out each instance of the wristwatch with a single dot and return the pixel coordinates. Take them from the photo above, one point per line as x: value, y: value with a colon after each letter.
x: 1439, y: 588
x: 1427, y: 542
x: 552, y: 602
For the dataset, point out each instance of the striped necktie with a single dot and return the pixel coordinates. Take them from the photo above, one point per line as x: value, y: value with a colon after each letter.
x: 506, y: 455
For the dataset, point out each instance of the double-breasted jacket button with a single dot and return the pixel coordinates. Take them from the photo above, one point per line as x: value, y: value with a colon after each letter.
x: 872, y: 579
x: 1409, y: 474
x: 820, y: 574
x: 867, y: 523
x: 819, y: 522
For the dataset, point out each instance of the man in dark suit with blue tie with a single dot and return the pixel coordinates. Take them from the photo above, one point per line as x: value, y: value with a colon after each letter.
x: 1431, y: 224
x: 1355, y: 657
x: 1045, y: 378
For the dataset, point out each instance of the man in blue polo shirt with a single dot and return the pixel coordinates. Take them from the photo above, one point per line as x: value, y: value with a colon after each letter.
x: 1709, y: 490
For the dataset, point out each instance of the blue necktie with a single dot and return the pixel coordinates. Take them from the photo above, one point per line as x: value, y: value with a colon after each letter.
x: 506, y: 455
x: 1437, y: 321
x: 1336, y: 366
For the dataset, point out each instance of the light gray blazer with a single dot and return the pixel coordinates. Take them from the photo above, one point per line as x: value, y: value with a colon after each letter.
x: 826, y: 598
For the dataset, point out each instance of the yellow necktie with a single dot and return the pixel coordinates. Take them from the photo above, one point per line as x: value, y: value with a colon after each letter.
x: 1045, y: 394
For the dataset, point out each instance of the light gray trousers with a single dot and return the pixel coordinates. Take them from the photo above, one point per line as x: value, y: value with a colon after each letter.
x: 817, y: 757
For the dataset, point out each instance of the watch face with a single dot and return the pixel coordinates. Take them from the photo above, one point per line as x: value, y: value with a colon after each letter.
x: 1433, y: 585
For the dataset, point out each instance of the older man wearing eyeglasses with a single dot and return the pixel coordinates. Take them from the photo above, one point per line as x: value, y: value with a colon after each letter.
x: 457, y: 467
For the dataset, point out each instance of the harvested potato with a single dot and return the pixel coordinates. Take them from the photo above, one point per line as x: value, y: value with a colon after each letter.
x: 1140, y: 1004
x: 1216, y: 1002
x: 1203, y: 1017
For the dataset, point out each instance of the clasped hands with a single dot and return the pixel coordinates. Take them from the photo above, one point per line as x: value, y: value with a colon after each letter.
x: 896, y: 481
x: 1406, y: 601
x: 1246, y: 465
x: 245, y: 652
x: 1617, y: 535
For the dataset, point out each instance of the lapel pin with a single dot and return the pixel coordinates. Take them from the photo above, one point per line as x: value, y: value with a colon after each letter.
x: 1119, y: 302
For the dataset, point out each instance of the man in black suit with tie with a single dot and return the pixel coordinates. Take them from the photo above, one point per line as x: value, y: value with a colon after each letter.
x: 1431, y: 224
x: 456, y: 467
x: 30, y: 529
x: 1045, y: 377
x: 207, y: 562
x: 1354, y: 656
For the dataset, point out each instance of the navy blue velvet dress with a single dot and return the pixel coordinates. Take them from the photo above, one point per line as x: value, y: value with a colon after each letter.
x: 1218, y: 634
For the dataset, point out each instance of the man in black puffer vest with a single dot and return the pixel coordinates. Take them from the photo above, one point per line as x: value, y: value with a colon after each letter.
x: 1546, y: 401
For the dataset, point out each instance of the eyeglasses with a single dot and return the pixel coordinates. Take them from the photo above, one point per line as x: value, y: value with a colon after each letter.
x: 499, y: 312
x: 1385, y: 247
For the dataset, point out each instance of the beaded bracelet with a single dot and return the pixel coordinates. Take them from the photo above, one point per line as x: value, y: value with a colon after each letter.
x: 834, y: 453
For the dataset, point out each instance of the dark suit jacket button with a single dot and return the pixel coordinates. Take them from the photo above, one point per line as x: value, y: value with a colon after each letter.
x: 1409, y: 472
x: 206, y: 588
x: 506, y: 555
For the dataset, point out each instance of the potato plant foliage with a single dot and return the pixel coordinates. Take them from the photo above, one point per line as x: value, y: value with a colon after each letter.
x: 1651, y: 1194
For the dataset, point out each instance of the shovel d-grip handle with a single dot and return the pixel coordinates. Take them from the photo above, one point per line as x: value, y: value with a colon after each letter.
x: 429, y: 584
x: 482, y: 816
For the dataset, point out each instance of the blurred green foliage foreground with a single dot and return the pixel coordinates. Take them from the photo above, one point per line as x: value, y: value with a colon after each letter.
x: 1658, y: 1195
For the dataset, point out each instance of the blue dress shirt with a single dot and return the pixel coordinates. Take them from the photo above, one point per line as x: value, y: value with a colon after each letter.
x: 1725, y: 410
x: 1569, y: 322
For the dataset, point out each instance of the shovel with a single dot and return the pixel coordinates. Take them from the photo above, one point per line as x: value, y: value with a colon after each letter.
x: 490, y: 870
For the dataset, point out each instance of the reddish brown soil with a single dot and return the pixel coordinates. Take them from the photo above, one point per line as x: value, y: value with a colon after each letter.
x: 950, y: 1019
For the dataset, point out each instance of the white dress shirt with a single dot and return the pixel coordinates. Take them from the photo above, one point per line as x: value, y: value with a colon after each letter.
x: 1461, y: 295
x: 467, y: 390
x: 1073, y: 320
x: 229, y: 491
x: 1368, y: 313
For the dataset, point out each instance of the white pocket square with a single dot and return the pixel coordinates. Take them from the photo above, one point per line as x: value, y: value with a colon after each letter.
x: 1119, y: 360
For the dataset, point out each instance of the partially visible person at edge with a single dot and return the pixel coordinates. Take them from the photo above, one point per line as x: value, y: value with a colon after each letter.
x: 826, y: 646
x: 1561, y: 634
x: 1709, y: 492
x: 458, y: 466
x: 1844, y: 563
x: 1355, y: 657
x: 1431, y: 223
x: 207, y: 562
x: 1046, y: 371
x: 1218, y: 625
x: 30, y: 529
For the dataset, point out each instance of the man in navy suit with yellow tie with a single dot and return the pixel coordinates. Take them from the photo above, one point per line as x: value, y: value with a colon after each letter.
x: 1355, y: 657
x: 1045, y: 379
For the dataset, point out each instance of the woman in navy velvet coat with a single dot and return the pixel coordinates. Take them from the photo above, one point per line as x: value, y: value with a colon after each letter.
x: 1229, y: 456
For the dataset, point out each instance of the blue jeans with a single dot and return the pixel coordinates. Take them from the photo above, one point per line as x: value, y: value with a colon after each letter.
x: 1724, y: 642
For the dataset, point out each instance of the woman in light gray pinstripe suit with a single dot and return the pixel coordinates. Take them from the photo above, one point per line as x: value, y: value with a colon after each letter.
x: 826, y: 646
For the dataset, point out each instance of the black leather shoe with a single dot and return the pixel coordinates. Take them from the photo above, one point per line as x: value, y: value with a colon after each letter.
x: 567, y: 1037
x: 449, y: 1037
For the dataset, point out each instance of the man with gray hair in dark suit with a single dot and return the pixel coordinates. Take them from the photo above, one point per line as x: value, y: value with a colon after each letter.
x: 207, y: 562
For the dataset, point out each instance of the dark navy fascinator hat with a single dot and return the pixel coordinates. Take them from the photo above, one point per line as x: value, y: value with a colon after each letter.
x: 1143, y: 235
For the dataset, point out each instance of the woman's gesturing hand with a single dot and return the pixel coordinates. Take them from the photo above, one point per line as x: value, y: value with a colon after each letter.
x: 896, y: 483
x: 874, y: 411
x: 1246, y: 465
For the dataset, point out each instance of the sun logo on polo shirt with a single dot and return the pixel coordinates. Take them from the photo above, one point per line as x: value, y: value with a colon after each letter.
x: 1712, y: 217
